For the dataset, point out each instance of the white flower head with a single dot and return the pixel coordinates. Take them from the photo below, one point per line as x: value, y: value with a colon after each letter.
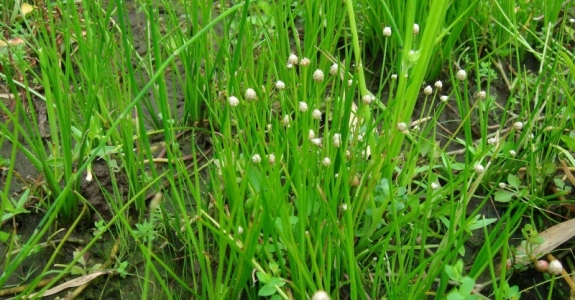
x: 479, y: 168
x: 444, y: 98
x: 428, y: 90
x: 512, y: 152
x: 320, y: 295
x: 326, y: 162
x: 435, y: 186
x: 344, y: 207
x: 251, y: 94
x: 502, y: 185
x: 461, y: 75
x: 416, y: 29
x: 333, y: 69
x: 316, y: 141
x: 438, y: 84
x: 240, y: 230
x: 318, y: 75
x: 571, y: 20
x: 337, y: 140
x: 286, y: 120
x: 367, y: 99
x: 280, y: 85
x: 316, y: 114
x: 349, y: 82
x: 271, y: 158
x: 292, y: 59
x: 492, y: 141
x: 256, y: 159
x: 481, y: 95
x: 394, y: 76
x: 387, y: 31
x: 302, y: 106
x: 311, y: 135
x: 518, y: 125
x: 233, y: 101
x: 289, y: 66
x: 305, y: 62
x: 401, y: 126
x: 555, y: 268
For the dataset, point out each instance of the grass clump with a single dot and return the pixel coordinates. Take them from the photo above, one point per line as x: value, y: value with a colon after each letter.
x: 293, y: 150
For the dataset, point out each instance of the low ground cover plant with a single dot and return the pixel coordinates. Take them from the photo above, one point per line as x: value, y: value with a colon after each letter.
x: 287, y: 150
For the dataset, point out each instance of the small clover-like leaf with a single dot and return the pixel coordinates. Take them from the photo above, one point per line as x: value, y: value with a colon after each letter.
x: 513, y: 181
x: 503, y: 196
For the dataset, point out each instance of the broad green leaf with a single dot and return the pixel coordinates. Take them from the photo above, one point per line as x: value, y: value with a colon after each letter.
x: 467, y: 285
x: 513, y: 181
x: 267, y: 290
x: 503, y: 196
x: 263, y: 277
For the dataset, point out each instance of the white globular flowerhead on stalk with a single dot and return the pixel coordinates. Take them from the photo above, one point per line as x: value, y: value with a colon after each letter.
x: 444, y: 98
x: 292, y: 59
x: 461, y: 75
x: 240, y: 230
x: 233, y: 101
x: 311, y: 135
x: 256, y: 159
x: 555, y: 268
x: 271, y: 158
x: 512, y: 152
x: 320, y: 295
x: 280, y: 85
x: 316, y: 142
x: 286, y: 120
x: 481, y: 95
x: 318, y: 75
x: 502, y: 185
x: 333, y: 69
x: 349, y: 82
x: 316, y: 114
x: 337, y: 140
x: 305, y: 62
x: 251, y: 94
x: 415, y: 28
x: 518, y: 125
x: 435, y: 186
x: 401, y: 126
x: 394, y: 76
x: 479, y: 168
x: 438, y: 84
x: 387, y: 31
x: 326, y: 162
x: 492, y: 141
x: 428, y: 90
x: 302, y: 106
x: 367, y: 99
x: 344, y: 207
x: 289, y: 66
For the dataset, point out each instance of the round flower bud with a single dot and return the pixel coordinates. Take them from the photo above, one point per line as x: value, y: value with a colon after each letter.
x: 394, y: 76
x: 344, y: 207
x: 541, y: 266
x: 512, y: 152
x: 240, y: 230
x: 438, y: 84
x: 337, y: 140
x: 555, y: 267
x: 292, y: 59
x: 435, y: 185
x: 311, y: 135
x: 416, y: 29
x: 251, y: 94
x: 316, y: 142
x: 367, y: 99
x: 286, y: 120
x: 387, y: 31
x: 271, y: 158
x: 233, y: 101
x: 316, y: 114
x: 305, y: 62
x: 333, y: 69
x: 326, y: 162
x: 280, y: 85
x: 349, y: 82
x: 518, y: 125
x: 318, y: 75
x: 402, y: 126
x: 320, y: 295
x: 502, y: 185
x: 428, y: 90
x: 479, y: 169
x: 481, y: 95
x: 256, y: 159
x: 461, y: 75
x: 444, y: 98
x: 302, y: 106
